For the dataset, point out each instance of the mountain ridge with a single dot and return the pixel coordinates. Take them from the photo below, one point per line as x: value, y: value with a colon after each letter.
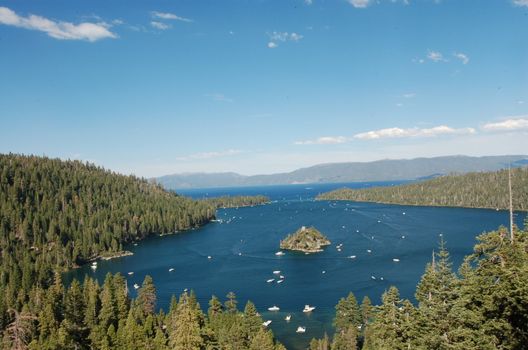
x: 379, y: 170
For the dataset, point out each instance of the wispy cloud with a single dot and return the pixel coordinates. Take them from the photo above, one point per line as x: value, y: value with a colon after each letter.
x: 58, y: 30
x: 462, y: 56
x: 218, y: 97
x: 511, y: 124
x: 359, y: 3
x: 169, y: 16
x: 276, y: 37
x: 436, y: 56
x: 520, y: 2
x: 308, y: 2
x: 160, y: 25
x: 412, y: 132
x: 325, y: 140
x: 209, y: 155
x: 409, y: 95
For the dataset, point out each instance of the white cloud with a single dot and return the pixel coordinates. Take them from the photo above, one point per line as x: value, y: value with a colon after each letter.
x: 277, y: 37
x: 219, y: 97
x: 435, y: 56
x: 325, y: 140
x: 285, y: 36
x: 413, y: 132
x: 359, y: 3
x: 308, y: 2
x: 512, y: 124
x: 58, y: 30
x: 169, y: 16
x: 209, y: 155
x: 159, y: 25
x: 520, y: 2
x: 461, y: 56
x: 409, y: 95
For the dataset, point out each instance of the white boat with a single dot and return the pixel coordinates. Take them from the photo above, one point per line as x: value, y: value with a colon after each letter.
x: 171, y: 269
x: 270, y: 280
x: 209, y: 257
x: 403, y: 213
x: 136, y: 286
x: 403, y: 237
x: 280, y: 281
x: 323, y: 272
x: 300, y: 329
x: 396, y: 260
x: 369, y: 251
x: 352, y: 257
x: 279, y: 253
x: 239, y: 254
x: 94, y: 263
x: 308, y: 308
x: 287, y: 318
x: 281, y: 276
x: 267, y: 323
x: 276, y: 272
x: 381, y: 278
x: 373, y: 277
x: 130, y: 273
x: 274, y: 308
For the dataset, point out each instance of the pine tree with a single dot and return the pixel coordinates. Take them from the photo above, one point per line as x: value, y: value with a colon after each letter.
x: 263, y: 340
x: 185, y: 333
x: 146, y: 299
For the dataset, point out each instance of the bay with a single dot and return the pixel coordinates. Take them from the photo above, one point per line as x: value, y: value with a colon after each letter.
x: 242, y: 254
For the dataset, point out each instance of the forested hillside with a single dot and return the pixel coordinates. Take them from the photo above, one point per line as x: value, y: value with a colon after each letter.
x: 57, y: 214
x: 90, y: 316
x: 484, y: 306
x: 473, y: 190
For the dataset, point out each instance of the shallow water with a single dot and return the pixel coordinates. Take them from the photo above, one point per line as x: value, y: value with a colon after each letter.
x: 243, y: 255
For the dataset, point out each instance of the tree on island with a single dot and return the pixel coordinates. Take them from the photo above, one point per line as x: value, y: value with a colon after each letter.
x: 305, y: 239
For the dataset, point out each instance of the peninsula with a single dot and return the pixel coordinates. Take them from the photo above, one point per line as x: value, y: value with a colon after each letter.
x: 307, y: 240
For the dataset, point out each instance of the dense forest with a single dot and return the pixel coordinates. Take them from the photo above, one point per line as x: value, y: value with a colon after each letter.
x: 237, y: 201
x: 473, y: 190
x: 483, y: 306
x: 90, y: 316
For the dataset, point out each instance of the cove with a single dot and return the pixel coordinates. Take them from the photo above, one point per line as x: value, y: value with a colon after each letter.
x: 243, y: 254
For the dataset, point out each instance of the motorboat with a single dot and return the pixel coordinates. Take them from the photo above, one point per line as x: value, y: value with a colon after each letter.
x: 287, y: 318
x: 308, y: 308
x: 300, y: 329
x: 276, y: 272
x: 136, y: 286
x: 267, y: 323
x: 171, y: 269
x: 270, y: 280
x: 130, y: 273
x: 274, y: 308
x: 396, y: 260
x: 279, y: 253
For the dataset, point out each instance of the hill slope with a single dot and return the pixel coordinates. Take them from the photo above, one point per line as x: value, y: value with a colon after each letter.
x: 474, y: 190
x: 62, y: 213
x: 382, y: 170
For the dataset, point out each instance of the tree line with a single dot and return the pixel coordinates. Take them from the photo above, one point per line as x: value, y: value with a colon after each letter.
x: 237, y: 201
x: 472, y: 190
x: 93, y: 316
x: 483, y: 306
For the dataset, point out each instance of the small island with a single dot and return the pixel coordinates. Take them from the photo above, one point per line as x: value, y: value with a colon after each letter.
x: 305, y: 239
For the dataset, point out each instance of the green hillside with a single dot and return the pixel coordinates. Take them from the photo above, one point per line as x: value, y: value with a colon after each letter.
x: 473, y: 190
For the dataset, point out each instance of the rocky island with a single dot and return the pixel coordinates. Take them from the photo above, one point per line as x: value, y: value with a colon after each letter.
x: 305, y: 239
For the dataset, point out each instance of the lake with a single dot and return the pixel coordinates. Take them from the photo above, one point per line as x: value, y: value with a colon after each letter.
x: 242, y: 250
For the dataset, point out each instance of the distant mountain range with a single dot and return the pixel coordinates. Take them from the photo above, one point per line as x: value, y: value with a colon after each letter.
x: 381, y: 170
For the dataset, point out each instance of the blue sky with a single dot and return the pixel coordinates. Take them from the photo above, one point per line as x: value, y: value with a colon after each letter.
x: 160, y: 87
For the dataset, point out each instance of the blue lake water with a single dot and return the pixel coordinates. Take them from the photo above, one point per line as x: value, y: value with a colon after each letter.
x: 243, y: 254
